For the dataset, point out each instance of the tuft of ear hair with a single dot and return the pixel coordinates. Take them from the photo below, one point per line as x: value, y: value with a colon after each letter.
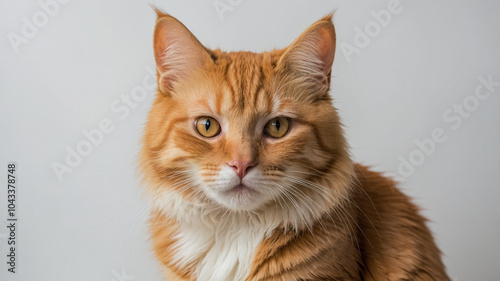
x: 158, y: 11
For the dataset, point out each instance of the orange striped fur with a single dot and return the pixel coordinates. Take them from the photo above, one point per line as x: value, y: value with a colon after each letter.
x: 243, y: 205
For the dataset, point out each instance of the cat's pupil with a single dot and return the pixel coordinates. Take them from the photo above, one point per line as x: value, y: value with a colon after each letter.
x: 207, y: 124
x: 278, y: 125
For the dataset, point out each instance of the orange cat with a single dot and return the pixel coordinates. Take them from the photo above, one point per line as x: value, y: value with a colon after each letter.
x: 250, y: 177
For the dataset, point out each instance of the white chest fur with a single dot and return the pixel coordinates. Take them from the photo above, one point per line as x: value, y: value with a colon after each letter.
x: 223, y: 251
x: 220, y: 243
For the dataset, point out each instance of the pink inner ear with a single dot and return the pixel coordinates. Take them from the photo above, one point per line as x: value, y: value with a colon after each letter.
x: 326, y: 47
x: 177, y: 51
x: 312, y: 53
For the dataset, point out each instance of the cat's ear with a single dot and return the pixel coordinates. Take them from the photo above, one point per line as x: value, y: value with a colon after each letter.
x: 310, y: 56
x: 177, y: 52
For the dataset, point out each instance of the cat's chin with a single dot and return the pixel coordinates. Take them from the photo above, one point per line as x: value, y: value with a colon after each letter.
x: 241, y: 197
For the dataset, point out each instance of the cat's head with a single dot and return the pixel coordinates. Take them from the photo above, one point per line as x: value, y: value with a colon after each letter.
x: 245, y: 131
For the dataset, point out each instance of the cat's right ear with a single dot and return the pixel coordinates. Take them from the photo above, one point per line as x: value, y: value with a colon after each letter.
x: 177, y: 52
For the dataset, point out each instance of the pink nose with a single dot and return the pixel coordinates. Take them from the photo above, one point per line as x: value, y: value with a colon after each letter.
x: 241, y: 168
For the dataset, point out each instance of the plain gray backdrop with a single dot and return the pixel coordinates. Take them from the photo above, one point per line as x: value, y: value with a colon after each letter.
x: 408, y: 80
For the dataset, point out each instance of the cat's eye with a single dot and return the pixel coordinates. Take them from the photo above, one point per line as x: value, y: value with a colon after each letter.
x: 207, y: 126
x: 277, y: 127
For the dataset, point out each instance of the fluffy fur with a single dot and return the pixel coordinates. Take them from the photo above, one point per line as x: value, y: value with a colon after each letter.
x: 304, y: 210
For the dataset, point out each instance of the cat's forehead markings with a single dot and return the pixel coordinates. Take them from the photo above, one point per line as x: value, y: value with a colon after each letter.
x: 285, y: 107
x: 211, y: 104
x: 224, y: 99
x: 202, y: 105
x: 276, y: 103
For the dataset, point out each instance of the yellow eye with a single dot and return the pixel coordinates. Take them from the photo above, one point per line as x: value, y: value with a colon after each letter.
x: 207, y: 126
x: 277, y: 127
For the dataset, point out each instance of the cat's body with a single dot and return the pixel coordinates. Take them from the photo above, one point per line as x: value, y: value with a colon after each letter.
x: 250, y: 177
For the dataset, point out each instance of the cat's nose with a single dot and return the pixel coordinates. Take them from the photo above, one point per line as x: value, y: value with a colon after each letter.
x: 241, y: 168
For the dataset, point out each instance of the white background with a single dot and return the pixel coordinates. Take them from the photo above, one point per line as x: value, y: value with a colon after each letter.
x: 393, y: 92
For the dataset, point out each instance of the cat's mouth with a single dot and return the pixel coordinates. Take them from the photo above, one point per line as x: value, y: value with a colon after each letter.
x: 241, y: 189
x: 239, y: 196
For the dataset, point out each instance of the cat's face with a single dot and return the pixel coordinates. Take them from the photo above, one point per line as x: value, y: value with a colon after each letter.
x: 241, y: 129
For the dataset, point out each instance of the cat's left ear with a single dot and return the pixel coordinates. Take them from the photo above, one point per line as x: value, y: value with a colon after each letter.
x: 311, y: 55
